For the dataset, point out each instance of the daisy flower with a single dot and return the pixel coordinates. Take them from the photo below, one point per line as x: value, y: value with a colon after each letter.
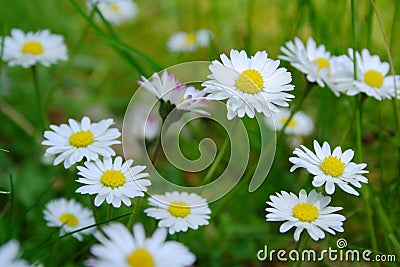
x: 330, y: 167
x: 71, y: 143
x: 145, y: 127
x: 27, y: 49
x: 119, y: 248
x: 372, y: 78
x: 112, y: 181
x: 300, y: 124
x: 69, y: 216
x: 251, y: 85
x: 189, y: 41
x: 340, y: 78
x: 9, y: 255
x: 179, y: 211
x: 116, y: 12
x: 168, y: 89
x: 311, y: 60
x: 310, y: 212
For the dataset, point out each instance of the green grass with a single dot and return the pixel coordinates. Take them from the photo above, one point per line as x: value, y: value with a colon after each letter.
x: 101, y: 76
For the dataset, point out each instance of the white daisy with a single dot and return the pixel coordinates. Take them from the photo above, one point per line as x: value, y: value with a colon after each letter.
x: 119, y: 248
x: 330, y: 168
x: 372, y: 78
x: 189, y: 41
x: 112, y: 181
x: 69, y: 216
x: 313, y: 61
x: 179, y: 211
x: 9, y: 253
x: 340, y: 78
x: 310, y: 212
x: 77, y: 140
x: 251, y: 85
x: 169, y: 89
x: 116, y: 11
x: 145, y: 127
x: 300, y: 124
x: 27, y: 49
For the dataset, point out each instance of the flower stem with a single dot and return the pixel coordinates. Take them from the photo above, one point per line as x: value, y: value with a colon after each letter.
x: 94, y: 209
x: 302, y: 240
x: 11, y: 194
x: 306, y: 237
x: 395, y: 100
x: 295, y: 109
x: 134, y: 213
x: 109, y: 212
x: 359, y: 103
x: 221, y: 153
x: 365, y: 189
x: 156, y: 152
x: 43, y: 120
x: 154, y: 159
x: 125, y: 54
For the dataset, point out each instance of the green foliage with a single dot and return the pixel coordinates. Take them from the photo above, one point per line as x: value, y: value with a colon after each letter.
x: 101, y: 75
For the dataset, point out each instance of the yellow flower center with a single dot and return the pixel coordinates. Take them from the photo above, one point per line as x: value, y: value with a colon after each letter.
x: 179, y: 209
x: 250, y: 81
x: 81, y: 139
x: 305, y: 212
x: 114, y: 7
x: 322, y: 63
x: 113, y: 178
x: 190, y: 38
x: 69, y: 219
x: 32, y: 47
x: 140, y: 258
x: 373, y: 78
x: 292, y: 123
x: 332, y: 166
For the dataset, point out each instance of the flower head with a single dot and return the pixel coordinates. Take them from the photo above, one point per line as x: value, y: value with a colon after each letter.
x: 115, y: 11
x: 330, y: 167
x: 168, y: 89
x: 145, y: 127
x: 179, y: 211
x: 251, y: 85
x: 340, y: 78
x: 119, y: 248
x: 27, y: 49
x: 308, y: 211
x: 9, y: 255
x: 112, y: 182
x: 189, y: 41
x: 300, y: 124
x: 69, y: 215
x: 372, y: 78
x: 313, y: 61
x: 71, y: 143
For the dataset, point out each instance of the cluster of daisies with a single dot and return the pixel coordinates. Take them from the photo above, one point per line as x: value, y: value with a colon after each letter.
x: 337, y: 72
x: 117, y: 182
x: 310, y: 211
x: 31, y: 48
x: 249, y: 85
x: 330, y: 168
x: 257, y: 85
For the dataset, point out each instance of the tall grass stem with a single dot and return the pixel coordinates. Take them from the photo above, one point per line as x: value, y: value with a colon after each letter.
x: 42, y: 114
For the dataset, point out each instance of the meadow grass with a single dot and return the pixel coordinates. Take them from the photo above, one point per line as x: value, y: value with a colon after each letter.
x: 105, y: 63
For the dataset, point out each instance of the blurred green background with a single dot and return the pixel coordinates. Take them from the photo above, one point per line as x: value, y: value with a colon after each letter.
x: 99, y: 82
